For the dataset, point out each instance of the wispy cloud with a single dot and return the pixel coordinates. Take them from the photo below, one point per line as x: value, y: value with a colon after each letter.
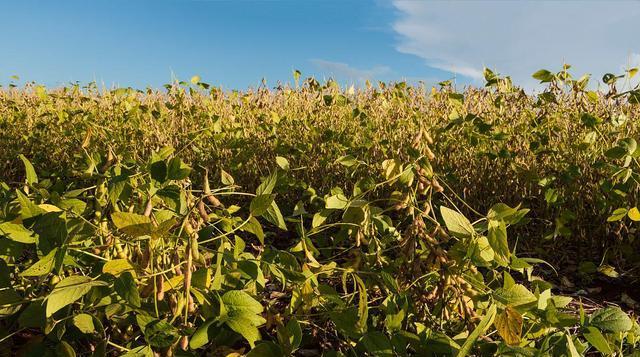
x: 518, y: 37
x: 343, y: 71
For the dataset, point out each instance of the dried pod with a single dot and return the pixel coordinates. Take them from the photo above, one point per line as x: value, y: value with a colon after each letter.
x: 160, y: 287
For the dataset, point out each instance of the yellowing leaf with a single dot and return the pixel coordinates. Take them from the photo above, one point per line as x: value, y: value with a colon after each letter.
x: 49, y: 208
x: 116, y: 267
x: 634, y: 214
x: 509, y: 325
x: 173, y: 283
x: 338, y: 201
x: 17, y: 232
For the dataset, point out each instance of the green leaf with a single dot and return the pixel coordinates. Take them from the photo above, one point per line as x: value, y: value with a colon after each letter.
x: 126, y: 287
x: 283, y: 163
x: 347, y: 160
x: 226, y: 178
x: 377, y: 344
x: 68, y: 291
x: 543, y: 76
x: 456, y: 223
x: 142, y: 351
x: 363, y: 304
x: 33, y: 316
x: 201, y: 336
x: 266, y: 349
x: 160, y: 334
x: 320, y: 217
x: 497, y: 238
x: 135, y: 225
x: 32, y: 177
x: 295, y: 332
x: 517, y: 295
x: 616, y: 153
x: 573, y: 352
x: 260, y: 204
x: 611, y: 319
x: 274, y: 216
x: 158, y: 171
x: 28, y: 209
x: 9, y: 302
x: 18, y: 233
x: 84, y: 323
x: 268, y: 184
x: 608, y: 270
x: 617, y: 215
x: 484, y: 324
x: 241, y: 301
x: 629, y: 144
x: 177, y: 170
x: 64, y: 349
x: 43, y: 266
x: 597, y: 340
x: 253, y: 226
x: 242, y: 314
x: 245, y: 326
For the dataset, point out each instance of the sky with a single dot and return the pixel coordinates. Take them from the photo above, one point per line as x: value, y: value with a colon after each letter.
x: 236, y: 44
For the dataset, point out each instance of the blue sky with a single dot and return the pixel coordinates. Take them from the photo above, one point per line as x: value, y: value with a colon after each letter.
x: 236, y: 43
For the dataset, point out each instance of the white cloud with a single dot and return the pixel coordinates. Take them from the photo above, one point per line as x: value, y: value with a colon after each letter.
x: 341, y: 70
x: 519, y: 37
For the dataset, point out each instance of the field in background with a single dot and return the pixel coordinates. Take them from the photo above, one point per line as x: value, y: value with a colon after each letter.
x: 393, y: 204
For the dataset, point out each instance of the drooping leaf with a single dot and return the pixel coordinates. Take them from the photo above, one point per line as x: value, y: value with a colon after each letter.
x: 597, y: 340
x: 31, y: 175
x: 68, y: 291
x: 274, y: 216
x: 260, y: 204
x: 456, y: 223
x: 484, y: 324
